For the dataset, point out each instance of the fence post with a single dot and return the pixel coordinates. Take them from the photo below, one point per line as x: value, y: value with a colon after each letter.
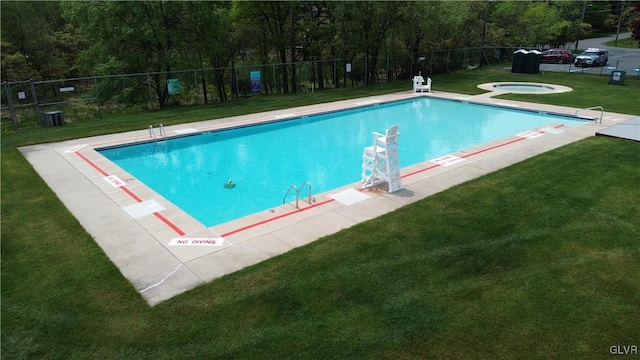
x: 14, y: 119
x: 235, y: 76
x: 336, y: 81
x: 149, y: 86
x: 34, y: 96
x: 95, y: 84
x: 273, y: 86
x: 366, y: 70
x: 195, y: 86
x: 446, y: 71
x: 387, y: 69
x: 411, y: 55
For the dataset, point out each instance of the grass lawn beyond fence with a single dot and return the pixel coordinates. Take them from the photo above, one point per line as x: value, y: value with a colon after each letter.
x: 538, y: 260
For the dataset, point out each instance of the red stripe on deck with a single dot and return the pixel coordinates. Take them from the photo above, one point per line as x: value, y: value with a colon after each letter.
x: 169, y: 223
x: 330, y: 200
x: 493, y: 147
x: 274, y: 218
x: 134, y: 196
x: 92, y: 164
x: 419, y: 171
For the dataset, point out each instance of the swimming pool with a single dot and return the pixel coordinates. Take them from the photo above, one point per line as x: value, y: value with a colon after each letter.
x: 325, y: 150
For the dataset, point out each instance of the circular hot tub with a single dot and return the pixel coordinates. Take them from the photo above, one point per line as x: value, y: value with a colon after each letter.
x: 524, y: 88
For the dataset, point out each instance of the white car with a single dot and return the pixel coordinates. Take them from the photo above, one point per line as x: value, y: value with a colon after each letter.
x: 592, y: 57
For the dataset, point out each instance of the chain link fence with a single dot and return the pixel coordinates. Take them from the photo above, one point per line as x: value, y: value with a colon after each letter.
x: 26, y: 104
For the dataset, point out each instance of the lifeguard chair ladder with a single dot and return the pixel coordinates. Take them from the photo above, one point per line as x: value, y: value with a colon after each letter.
x: 380, y: 161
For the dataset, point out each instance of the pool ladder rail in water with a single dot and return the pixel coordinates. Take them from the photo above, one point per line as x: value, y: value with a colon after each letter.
x: 298, y: 190
x: 162, y: 132
x: 161, y: 146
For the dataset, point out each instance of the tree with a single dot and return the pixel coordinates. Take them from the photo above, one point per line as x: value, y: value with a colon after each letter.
x: 529, y: 23
x: 318, y: 31
x: 602, y: 15
x: 210, y: 37
x: 275, y: 18
x: 634, y: 22
x: 37, y: 43
x: 131, y: 37
x: 362, y: 29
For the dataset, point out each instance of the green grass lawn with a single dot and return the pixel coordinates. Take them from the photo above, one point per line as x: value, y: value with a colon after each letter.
x: 629, y: 43
x: 538, y: 260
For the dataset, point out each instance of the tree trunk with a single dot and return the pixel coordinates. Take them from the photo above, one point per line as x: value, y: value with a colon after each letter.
x: 292, y: 47
x: 204, y: 90
x: 320, y: 76
x: 161, y: 90
x: 285, y: 77
x: 222, y: 95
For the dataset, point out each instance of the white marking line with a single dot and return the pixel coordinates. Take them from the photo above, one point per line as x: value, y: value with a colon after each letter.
x: 530, y: 134
x: 75, y: 148
x: 196, y: 242
x: 576, y: 123
x: 447, y: 160
x: 114, y: 180
x: 284, y: 115
x: 161, y: 281
x: 507, y: 104
x: 186, y: 131
x: 612, y: 118
x: 368, y: 102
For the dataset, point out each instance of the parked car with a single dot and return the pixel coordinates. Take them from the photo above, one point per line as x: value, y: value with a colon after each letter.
x: 557, y: 56
x: 592, y: 57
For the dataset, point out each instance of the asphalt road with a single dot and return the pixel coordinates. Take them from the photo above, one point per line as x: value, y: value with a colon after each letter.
x: 619, y: 58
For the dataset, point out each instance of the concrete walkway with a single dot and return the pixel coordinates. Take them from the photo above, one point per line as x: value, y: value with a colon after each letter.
x: 164, y: 252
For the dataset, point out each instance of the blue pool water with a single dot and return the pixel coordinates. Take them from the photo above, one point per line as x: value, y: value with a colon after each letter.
x: 326, y: 150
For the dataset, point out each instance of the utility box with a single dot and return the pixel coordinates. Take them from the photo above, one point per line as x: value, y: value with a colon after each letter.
x: 53, y: 118
x: 532, y: 62
x: 517, y: 66
x: 617, y: 77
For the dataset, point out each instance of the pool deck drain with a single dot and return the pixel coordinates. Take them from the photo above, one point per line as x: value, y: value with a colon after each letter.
x: 145, y: 247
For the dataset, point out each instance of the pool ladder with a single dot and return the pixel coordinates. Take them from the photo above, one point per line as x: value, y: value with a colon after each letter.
x: 152, y: 133
x: 298, y: 190
x: 589, y: 117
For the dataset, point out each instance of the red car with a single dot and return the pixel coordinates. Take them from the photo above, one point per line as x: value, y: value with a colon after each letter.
x: 557, y: 56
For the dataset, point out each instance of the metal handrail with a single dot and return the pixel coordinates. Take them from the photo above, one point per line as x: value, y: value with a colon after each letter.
x: 309, y: 195
x: 161, y: 130
x: 284, y: 199
x: 592, y: 108
x: 163, y: 133
x: 298, y: 190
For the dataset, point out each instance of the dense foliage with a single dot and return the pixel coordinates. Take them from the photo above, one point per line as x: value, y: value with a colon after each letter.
x: 62, y: 39
x: 634, y: 23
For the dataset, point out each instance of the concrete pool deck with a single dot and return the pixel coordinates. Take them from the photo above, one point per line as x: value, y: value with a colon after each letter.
x: 164, y: 252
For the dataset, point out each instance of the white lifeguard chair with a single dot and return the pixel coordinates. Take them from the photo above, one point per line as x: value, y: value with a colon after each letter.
x: 420, y: 86
x: 380, y: 161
